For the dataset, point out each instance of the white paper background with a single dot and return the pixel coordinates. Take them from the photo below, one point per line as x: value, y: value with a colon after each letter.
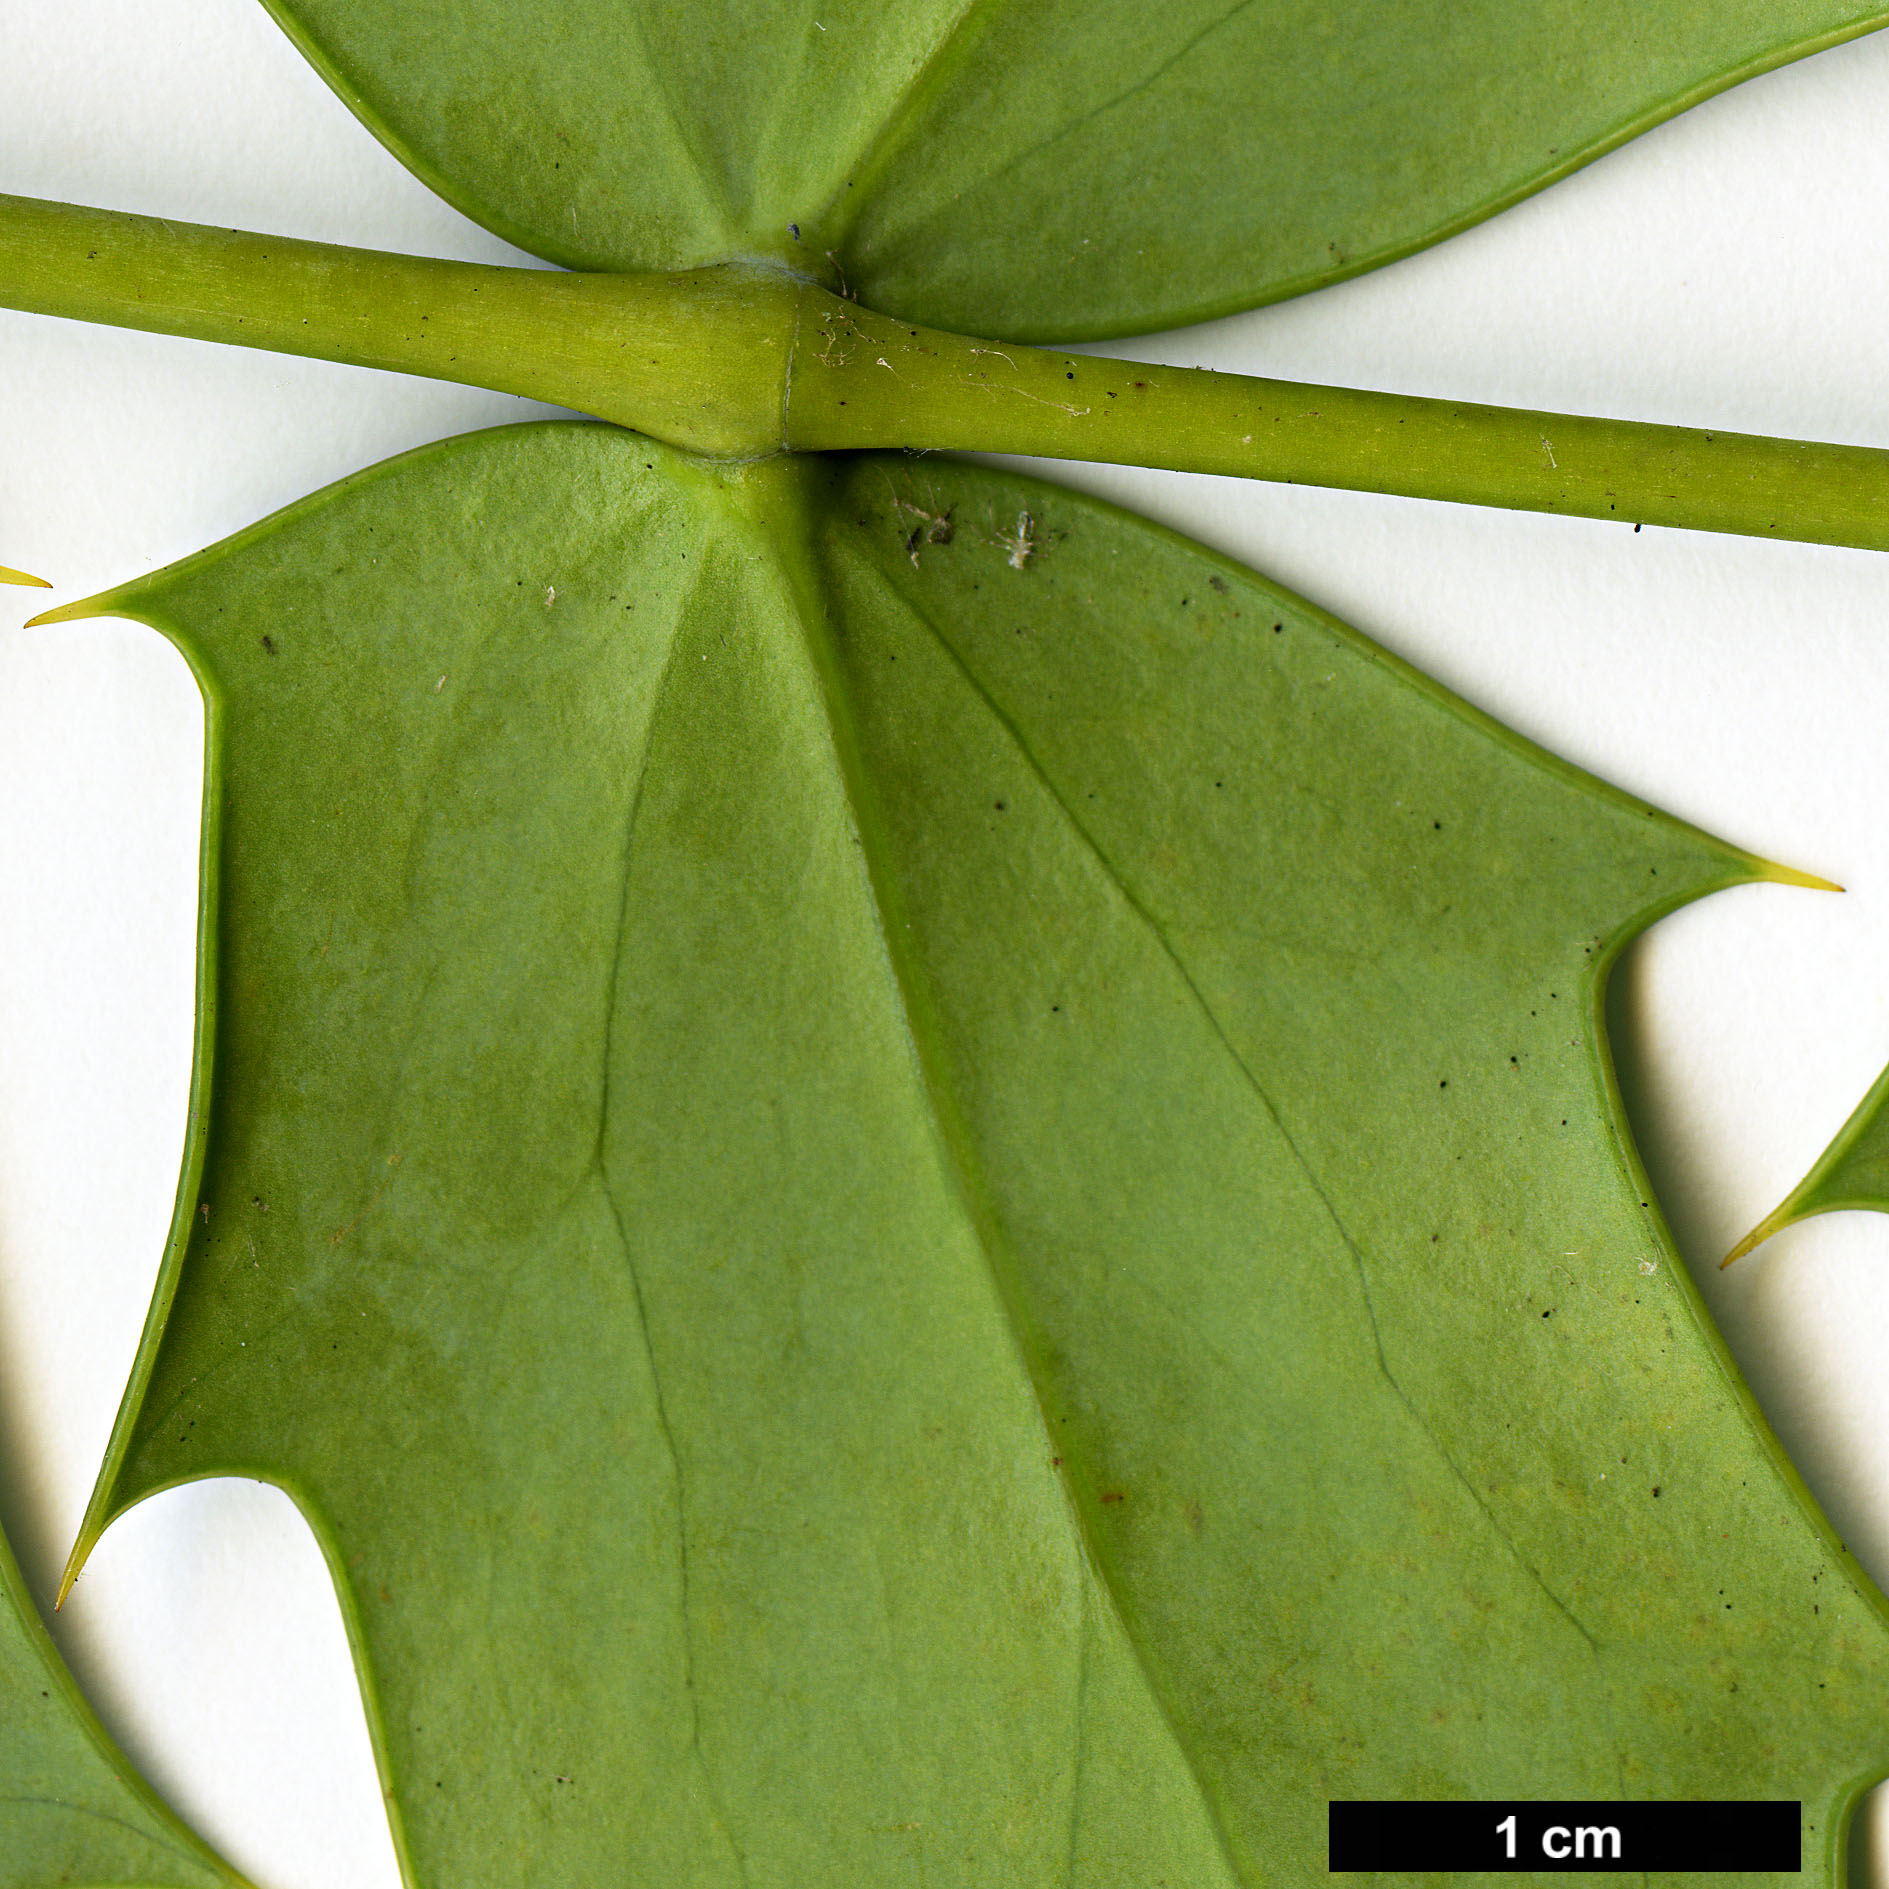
x: 1731, y: 270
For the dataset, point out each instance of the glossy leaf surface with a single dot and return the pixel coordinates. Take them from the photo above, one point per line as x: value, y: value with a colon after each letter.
x: 72, y: 1810
x: 1085, y: 168
x: 920, y: 1187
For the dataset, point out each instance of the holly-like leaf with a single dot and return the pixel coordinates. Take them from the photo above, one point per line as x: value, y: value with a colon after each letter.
x: 72, y: 1809
x: 1086, y: 168
x: 922, y: 1187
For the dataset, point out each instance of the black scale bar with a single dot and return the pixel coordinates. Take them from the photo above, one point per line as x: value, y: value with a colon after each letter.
x: 1715, y: 1838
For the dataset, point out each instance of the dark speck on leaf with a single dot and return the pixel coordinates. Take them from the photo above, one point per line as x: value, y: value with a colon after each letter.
x: 1219, y: 584
x: 268, y: 645
x: 999, y: 805
x: 1549, y: 1313
x: 1277, y: 628
x: 1112, y: 1495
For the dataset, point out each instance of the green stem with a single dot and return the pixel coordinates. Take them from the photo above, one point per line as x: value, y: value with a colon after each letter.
x: 740, y: 362
x: 697, y: 359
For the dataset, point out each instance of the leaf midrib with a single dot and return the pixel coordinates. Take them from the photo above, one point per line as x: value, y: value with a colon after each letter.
x: 779, y: 531
x: 857, y: 179
x: 800, y: 576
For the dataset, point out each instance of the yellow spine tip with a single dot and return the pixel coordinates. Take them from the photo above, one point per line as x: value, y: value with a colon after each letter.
x: 1770, y: 870
x: 23, y: 578
x: 68, y: 613
x: 1772, y: 1223
x: 75, y: 1564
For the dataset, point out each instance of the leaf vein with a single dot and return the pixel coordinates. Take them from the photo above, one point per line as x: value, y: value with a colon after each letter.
x: 1250, y: 1076
x: 716, y: 1805
x: 1078, y: 124
x: 895, y: 128
x: 155, y: 1838
x: 963, y: 1165
x: 957, y: 1163
x: 714, y: 186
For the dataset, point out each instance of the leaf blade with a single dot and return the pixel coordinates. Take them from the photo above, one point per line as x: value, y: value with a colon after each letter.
x: 847, y: 1137
x: 1164, y: 777
x: 1034, y: 176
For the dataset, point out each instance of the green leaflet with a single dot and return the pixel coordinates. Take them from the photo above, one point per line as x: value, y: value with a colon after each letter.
x: 864, y: 1173
x: 1070, y: 170
x: 72, y: 1810
x: 1853, y: 1172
